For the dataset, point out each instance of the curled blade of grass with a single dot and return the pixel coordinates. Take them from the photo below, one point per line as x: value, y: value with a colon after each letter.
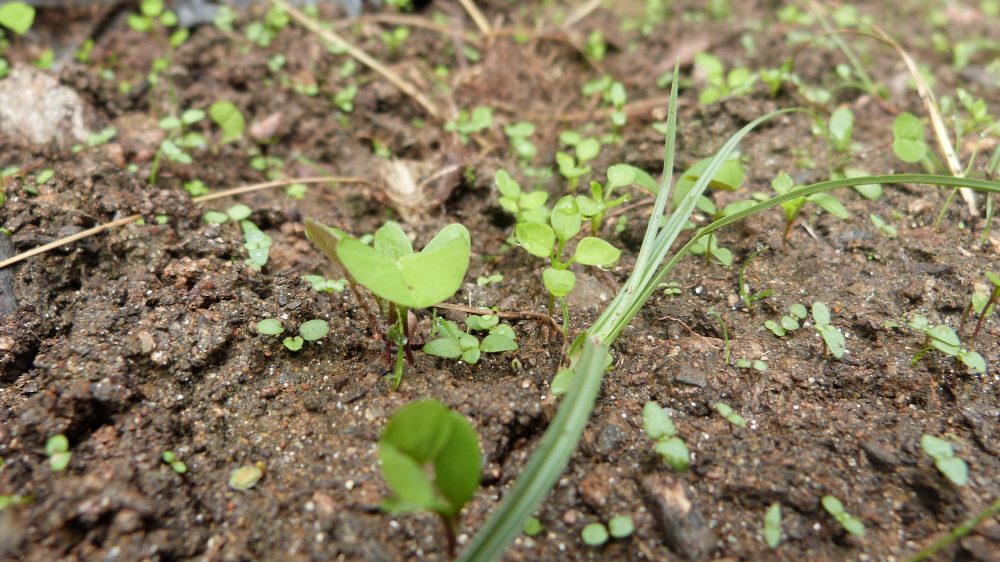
x: 547, y: 463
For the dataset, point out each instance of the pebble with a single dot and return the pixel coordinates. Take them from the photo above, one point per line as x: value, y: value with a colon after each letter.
x: 683, y: 528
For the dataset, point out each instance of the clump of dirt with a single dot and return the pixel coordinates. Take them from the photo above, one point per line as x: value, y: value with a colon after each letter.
x: 141, y: 340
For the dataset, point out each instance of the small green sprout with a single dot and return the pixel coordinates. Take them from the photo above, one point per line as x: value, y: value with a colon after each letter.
x: 595, y: 207
x: 177, y: 465
x: 671, y: 288
x: 621, y: 526
x: 311, y: 330
x: 832, y: 336
x: 518, y: 134
x: 321, y: 284
x: 594, y: 534
x: 982, y: 302
x: 756, y: 364
x: 729, y: 414
x: 532, y: 526
x: 264, y: 32
x: 944, y: 339
x: 943, y: 453
x: 774, y: 78
x: 17, y: 17
x: 746, y: 296
x: 525, y: 206
x: 425, y: 433
x: 788, y: 322
x: 883, y: 227
x: 57, y: 449
x: 480, y: 119
x: 596, y: 47
x: 178, y: 139
x: 344, y: 98
x: 772, y: 525
x: 237, y: 213
x: 456, y: 344
x: 784, y: 184
x: 99, y: 138
x: 269, y: 327
x: 574, y: 166
x: 840, y: 129
x: 659, y: 427
x: 393, y: 39
x: 908, y: 138
x: 401, y: 279
x: 245, y: 477
x: 850, y: 523
x: 227, y: 116
x: 483, y: 280
x: 718, y: 84
x: 257, y: 244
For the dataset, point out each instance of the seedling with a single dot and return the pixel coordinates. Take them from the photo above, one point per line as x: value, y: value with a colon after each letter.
x: 718, y: 84
x: 840, y: 129
x: 613, y: 95
x: 729, y: 414
x: 982, y: 302
x: 784, y: 184
x: 494, y: 279
x: 393, y: 39
x: 850, y: 523
x: 57, y: 449
x: 574, y: 166
x: 263, y: 32
x: 310, y: 330
x: 177, y: 140
x: 943, y: 452
x: 227, y: 116
x: 594, y: 534
x: 247, y: 476
x: 518, y: 134
x: 601, y: 199
x: 746, y: 296
x: 176, y: 464
x: 772, y: 525
x: 833, y: 338
x: 550, y: 240
x: 596, y: 47
x: 153, y: 12
x: 756, y: 364
x: 466, y: 124
x: 659, y: 427
x: 426, y: 433
x: 456, y: 344
x: 788, y: 322
x: 621, y: 526
x: 17, y: 17
x: 525, y: 206
x: 908, y: 138
x: 942, y: 338
x: 883, y: 227
x: 400, y: 279
x: 532, y: 526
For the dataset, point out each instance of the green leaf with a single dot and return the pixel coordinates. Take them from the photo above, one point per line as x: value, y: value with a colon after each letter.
x: 729, y: 414
x: 59, y: 461
x: 841, y: 128
x: 293, y: 343
x: 594, y: 534
x: 269, y: 327
x: 954, y: 469
x: 908, y: 138
x: 314, y: 329
x: 169, y: 123
x: 409, y: 483
x: 227, y: 116
x: 798, y: 310
x: 215, y: 217
x: 621, y: 526
x: 443, y: 347
x: 192, y: 116
x: 974, y: 361
x: 775, y: 328
x: 820, y: 313
x: 729, y: 177
x: 56, y: 444
x: 565, y: 219
x: 537, y: 239
x: 558, y: 282
x: 772, y: 525
x: 833, y: 506
x: 852, y: 525
x: 620, y: 175
x: 504, y: 330
x: 324, y: 237
x: 245, y: 477
x: 675, y: 453
x: 595, y: 251
x: 17, y: 17
x: 656, y: 423
x: 257, y: 244
x: 587, y: 149
x: 789, y: 323
x: 533, y: 200
x: 457, y: 468
x: 830, y: 204
x: 833, y: 338
x: 239, y: 212
x: 935, y: 447
x: 506, y: 185
x: 870, y: 191
x: 495, y: 343
x: 418, y: 430
x: 391, y: 241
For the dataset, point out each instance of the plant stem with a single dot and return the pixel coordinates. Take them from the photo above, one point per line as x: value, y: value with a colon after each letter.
x: 986, y: 310
x: 959, y: 532
x: 450, y: 533
x: 989, y: 221
x: 565, y: 311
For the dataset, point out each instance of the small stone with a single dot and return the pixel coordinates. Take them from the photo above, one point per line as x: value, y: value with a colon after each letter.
x: 684, y: 530
x: 35, y: 108
x: 881, y: 457
x: 608, y: 439
x: 692, y: 378
x: 595, y: 487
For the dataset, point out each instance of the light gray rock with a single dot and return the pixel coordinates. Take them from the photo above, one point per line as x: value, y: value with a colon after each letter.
x: 36, y: 109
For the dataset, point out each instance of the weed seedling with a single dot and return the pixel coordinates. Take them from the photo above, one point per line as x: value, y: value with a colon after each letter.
x: 227, y: 116
x: 982, y: 302
x: 57, y: 449
x: 784, y: 184
x: 177, y: 140
x: 833, y: 338
x: 456, y: 344
x: 908, y: 139
x: 746, y: 296
x: 659, y: 427
x: 427, y: 433
x: 466, y: 124
x: 772, y: 525
x: 943, y: 452
x: 494, y: 279
x: 850, y: 523
x: 574, y: 166
x: 532, y: 527
x: 247, y: 476
x: 401, y: 279
x: 321, y: 284
x: 718, y: 84
x: 594, y: 534
x: 883, y: 227
x: 176, y: 464
x: 601, y: 199
x: 525, y: 206
x: 729, y: 414
x: 17, y: 17
x: 840, y: 129
x: 310, y: 330
x: 788, y: 322
x: 518, y: 134
x: 945, y: 340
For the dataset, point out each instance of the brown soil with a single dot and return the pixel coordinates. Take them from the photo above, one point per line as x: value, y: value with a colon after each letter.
x: 141, y: 340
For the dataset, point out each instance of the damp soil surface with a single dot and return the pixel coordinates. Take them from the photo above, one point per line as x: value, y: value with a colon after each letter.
x: 141, y: 340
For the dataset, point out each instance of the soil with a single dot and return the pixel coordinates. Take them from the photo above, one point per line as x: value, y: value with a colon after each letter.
x: 141, y: 340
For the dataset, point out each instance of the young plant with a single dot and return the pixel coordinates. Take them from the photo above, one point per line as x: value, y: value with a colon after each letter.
x: 255, y: 240
x: 227, y: 116
x: 850, y: 523
x: 525, y: 206
x: 311, y: 330
x: 456, y: 344
x: 660, y: 428
x: 942, y: 338
x: 601, y: 199
x: 401, y: 279
x: 177, y: 139
x: 718, y: 84
x: 597, y: 534
x: 426, y: 433
x: 908, y: 139
x: 772, y: 525
x: 788, y: 322
x: 466, y: 124
x: 982, y: 302
x: 176, y: 464
x: 321, y: 284
x: 152, y: 13
x: 574, y: 166
x: 57, y: 449
x: 518, y: 134
x: 833, y: 338
x: 783, y: 184
x: 943, y: 452
x: 729, y: 414
x: 748, y: 298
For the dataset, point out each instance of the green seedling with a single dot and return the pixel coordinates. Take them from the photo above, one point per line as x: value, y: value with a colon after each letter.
x: 401, y: 279
x: 883, y: 227
x: 671, y: 288
x: 321, y: 284
x: 596, y: 48
x: 310, y: 330
x: 263, y: 32
x: 152, y: 13
x: 525, y: 206
x: 772, y: 525
x: 518, y: 134
x: 775, y: 78
x: 613, y: 95
x: 729, y: 177
x: 494, y: 279
x: 729, y: 414
x: 788, y: 322
x: 344, y: 98
x: 942, y: 338
x: 833, y: 338
x: 176, y: 464
x: 426, y: 433
x: 594, y: 534
x: 57, y: 449
x: 850, y: 523
x: 908, y: 138
x: 227, y: 117
x: 247, y: 476
x: 394, y: 38
x: 601, y: 199
x: 718, y: 84
x: 943, y: 452
x: 99, y: 138
x: 982, y: 302
x: 466, y: 124
x: 840, y: 129
x: 749, y: 298
x: 574, y: 166
x: 177, y: 140
x: 756, y: 364
x: 621, y: 526
x: 550, y: 241
x: 660, y: 428
x: 532, y: 527
x: 235, y: 213
x: 784, y: 184
x: 17, y: 17
x: 456, y: 344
